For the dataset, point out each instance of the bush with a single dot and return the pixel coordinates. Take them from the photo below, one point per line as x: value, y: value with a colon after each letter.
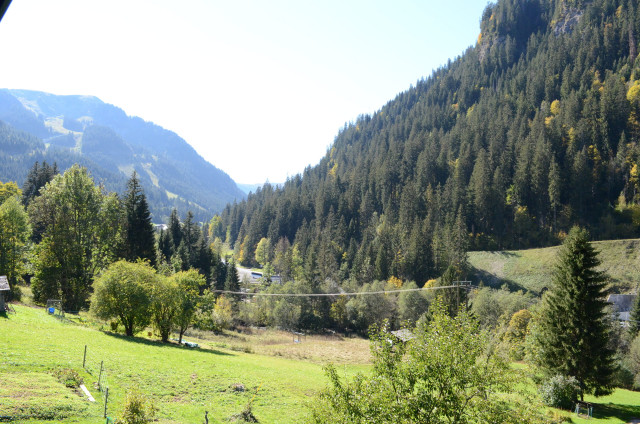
x: 560, y: 392
x: 138, y: 409
x: 631, y: 363
x: 68, y: 377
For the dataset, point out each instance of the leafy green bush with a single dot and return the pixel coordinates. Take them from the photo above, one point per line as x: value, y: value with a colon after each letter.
x: 631, y: 363
x: 560, y: 391
x: 446, y: 373
x: 68, y: 377
x: 138, y: 409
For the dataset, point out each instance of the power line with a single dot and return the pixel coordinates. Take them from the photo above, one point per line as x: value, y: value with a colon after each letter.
x: 338, y: 294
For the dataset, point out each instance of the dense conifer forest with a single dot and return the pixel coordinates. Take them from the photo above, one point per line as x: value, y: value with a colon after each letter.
x: 532, y: 130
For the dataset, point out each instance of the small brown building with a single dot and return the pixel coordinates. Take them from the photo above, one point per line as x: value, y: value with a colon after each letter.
x: 4, y: 288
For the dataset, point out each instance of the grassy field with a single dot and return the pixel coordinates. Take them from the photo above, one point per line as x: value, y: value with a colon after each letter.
x: 620, y: 407
x: 531, y: 269
x: 279, y: 375
x: 183, y: 382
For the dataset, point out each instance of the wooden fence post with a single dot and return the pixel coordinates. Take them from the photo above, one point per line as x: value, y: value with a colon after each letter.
x: 100, y: 377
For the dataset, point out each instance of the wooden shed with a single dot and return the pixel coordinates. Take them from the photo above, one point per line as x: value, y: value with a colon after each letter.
x: 4, y: 288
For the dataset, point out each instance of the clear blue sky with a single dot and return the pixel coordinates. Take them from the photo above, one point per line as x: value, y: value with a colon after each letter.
x: 258, y: 88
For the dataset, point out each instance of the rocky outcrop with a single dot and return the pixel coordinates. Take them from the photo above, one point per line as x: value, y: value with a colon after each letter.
x: 567, y: 21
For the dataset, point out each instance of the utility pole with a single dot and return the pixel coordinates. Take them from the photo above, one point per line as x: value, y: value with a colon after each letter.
x: 466, y: 284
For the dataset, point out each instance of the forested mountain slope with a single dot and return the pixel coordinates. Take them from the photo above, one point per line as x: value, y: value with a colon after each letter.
x: 39, y: 126
x: 530, y: 131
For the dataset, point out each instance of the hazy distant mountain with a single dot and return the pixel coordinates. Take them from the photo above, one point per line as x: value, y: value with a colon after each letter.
x: 100, y: 136
x: 249, y: 188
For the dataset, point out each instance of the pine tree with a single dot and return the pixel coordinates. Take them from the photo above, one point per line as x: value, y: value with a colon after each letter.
x: 165, y: 246
x: 175, y: 229
x: 139, y: 235
x: 190, y: 235
x: 37, y: 178
x: 232, y: 282
x: 204, y: 256
x: 574, y: 334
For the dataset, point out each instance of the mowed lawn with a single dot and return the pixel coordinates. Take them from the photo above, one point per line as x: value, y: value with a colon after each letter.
x: 183, y: 382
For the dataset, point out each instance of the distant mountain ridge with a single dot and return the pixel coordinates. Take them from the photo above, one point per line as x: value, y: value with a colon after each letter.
x: 111, y: 144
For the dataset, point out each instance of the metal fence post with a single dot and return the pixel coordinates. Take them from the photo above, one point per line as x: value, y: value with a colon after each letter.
x: 84, y: 358
x: 106, y: 401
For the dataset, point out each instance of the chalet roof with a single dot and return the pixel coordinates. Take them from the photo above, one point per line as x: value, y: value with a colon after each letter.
x: 4, y: 283
x: 622, y: 302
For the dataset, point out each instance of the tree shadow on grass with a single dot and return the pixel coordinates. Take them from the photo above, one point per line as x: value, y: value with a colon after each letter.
x: 491, y: 280
x: 613, y: 410
x: 4, y: 314
x: 158, y: 343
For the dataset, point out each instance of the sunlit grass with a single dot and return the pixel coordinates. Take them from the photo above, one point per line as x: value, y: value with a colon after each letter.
x: 183, y: 382
x: 531, y: 269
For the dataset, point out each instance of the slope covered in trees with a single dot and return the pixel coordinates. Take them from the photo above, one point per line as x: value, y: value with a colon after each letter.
x: 530, y: 131
x: 65, y: 130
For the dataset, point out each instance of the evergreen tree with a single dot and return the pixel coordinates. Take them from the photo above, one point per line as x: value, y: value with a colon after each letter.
x: 190, y: 235
x: 165, y: 246
x: 232, y: 281
x: 37, y: 178
x: 139, y: 235
x: 175, y: 229
x: 574, y: 335
x: 204, y: 257
x: 218, y: 274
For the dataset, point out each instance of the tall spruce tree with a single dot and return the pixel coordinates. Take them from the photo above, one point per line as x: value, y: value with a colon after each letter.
x: 38, y: 177
x: 139, y: 235
x: 175, y: 229
x: 232, y: 281
x: 573, y: 337
x: 190, y: 236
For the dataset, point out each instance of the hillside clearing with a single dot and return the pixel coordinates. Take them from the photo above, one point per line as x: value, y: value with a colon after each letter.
x: 531, y: 269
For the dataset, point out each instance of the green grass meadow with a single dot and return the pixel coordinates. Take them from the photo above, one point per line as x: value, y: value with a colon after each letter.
x: 531, y: 269
x: 280, y: 377
x: 620, y: 407
x: 183, y: 382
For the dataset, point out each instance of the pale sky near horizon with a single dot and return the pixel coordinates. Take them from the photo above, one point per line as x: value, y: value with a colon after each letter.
x: 259, y: 88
